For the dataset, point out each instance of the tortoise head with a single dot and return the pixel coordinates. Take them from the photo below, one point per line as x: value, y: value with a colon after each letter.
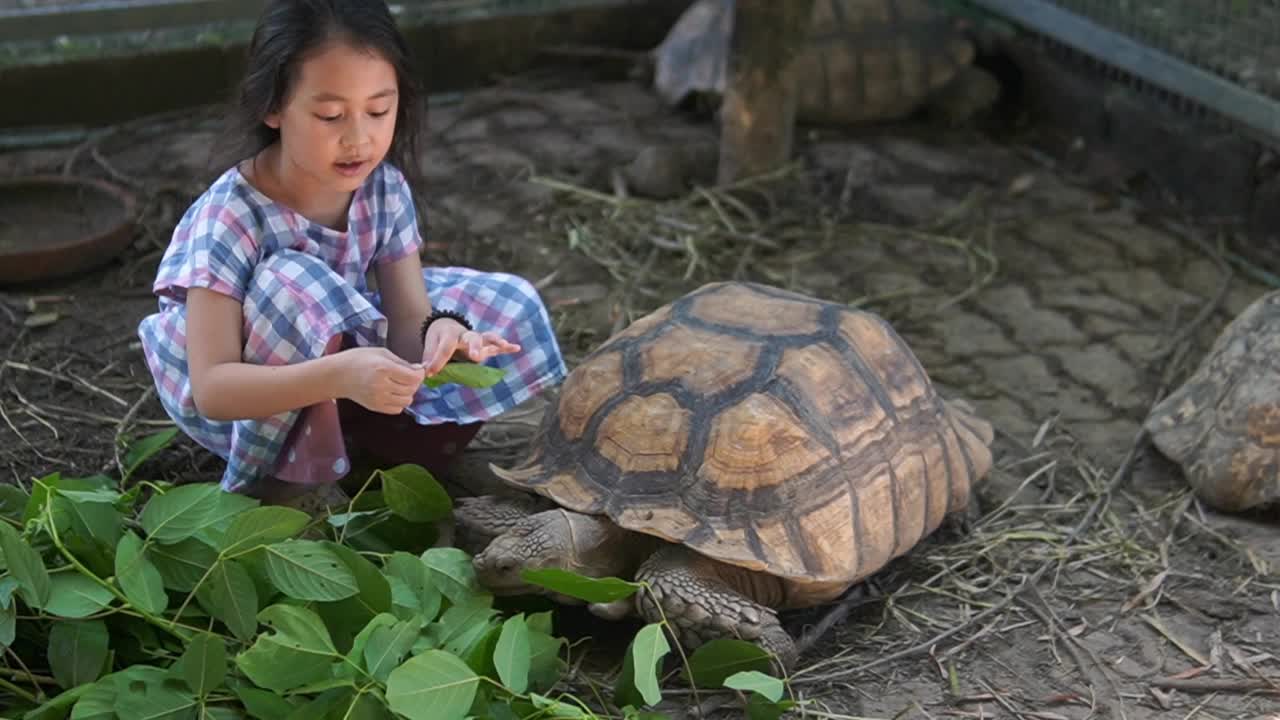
x: 540, y: 541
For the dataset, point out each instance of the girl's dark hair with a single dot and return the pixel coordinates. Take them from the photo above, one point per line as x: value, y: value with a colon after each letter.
x: 288, y: 32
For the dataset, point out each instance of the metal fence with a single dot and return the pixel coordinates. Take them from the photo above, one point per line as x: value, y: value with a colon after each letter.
x: 1219, y: 59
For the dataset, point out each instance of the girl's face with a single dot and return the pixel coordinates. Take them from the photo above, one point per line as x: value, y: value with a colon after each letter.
x: 339, y: 120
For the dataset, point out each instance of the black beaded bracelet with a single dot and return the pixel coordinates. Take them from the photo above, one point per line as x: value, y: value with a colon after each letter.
x: 438, y: 314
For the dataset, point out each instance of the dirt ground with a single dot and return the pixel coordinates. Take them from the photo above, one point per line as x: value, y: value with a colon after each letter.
x: 1060, y: 309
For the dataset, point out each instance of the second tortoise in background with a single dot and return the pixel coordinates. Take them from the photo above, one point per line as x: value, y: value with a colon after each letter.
x: 865, y: 61
x: 1222, y: 425
x: 743, y: 449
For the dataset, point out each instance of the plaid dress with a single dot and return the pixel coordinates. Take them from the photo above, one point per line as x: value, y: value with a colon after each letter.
x: 304, y: 292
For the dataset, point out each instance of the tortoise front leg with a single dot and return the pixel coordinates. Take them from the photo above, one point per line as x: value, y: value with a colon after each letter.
x: 701, y: 603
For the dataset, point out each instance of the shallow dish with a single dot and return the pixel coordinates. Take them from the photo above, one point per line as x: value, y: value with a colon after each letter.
x: 53, y: 226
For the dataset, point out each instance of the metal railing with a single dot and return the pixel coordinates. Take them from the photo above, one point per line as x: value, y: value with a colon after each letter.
x: 1223, y: 56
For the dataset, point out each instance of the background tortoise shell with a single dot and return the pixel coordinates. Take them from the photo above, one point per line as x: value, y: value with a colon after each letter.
x: 865, y: 60
x: 1222, y: 425
x: 762, y: 428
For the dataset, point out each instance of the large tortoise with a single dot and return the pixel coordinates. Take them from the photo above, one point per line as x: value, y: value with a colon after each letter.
x: 1222, y: 425
x: 865, y: 61
x: 743, y: 449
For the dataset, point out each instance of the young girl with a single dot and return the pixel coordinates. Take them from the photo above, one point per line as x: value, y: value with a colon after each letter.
x: 269, y: 345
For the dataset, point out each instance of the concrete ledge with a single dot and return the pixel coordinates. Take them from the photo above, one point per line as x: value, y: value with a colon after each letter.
x: 451, y: 54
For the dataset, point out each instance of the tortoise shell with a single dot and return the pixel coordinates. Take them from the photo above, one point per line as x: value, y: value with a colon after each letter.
x: 864, y: 60
x: 762, y: 428
x: 1222, y: 425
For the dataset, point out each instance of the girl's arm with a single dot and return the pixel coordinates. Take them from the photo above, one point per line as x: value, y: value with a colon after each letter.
x: 225, y: 388
x: 405, y: 303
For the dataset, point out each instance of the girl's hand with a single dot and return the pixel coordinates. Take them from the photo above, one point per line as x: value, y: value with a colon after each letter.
x: 380, y: 380
x: 446, y: 337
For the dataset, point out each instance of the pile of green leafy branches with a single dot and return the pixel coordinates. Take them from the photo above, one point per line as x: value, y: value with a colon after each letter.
x: 185, y: 601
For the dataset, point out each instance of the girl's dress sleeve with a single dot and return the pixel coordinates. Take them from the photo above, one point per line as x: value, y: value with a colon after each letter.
x: 213, y: 247
x: 400, y: 235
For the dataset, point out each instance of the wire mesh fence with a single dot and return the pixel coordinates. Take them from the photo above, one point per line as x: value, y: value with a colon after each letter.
x: 1216, y: 59
x: 1238, y: 40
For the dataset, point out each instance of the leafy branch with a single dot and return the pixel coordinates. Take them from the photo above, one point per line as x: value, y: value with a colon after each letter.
x: 188, y: 602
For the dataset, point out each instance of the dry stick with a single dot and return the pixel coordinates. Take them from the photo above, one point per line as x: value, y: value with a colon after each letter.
x: 68, y: 378
x: 1192, y: 685
x: 124, y: 424
x: 1042, y: 610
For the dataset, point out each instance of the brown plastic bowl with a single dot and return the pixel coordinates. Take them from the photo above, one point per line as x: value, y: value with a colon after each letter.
x: 53, y: 226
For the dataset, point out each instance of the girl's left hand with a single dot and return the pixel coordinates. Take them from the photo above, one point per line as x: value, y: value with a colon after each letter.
x: 446, y: 337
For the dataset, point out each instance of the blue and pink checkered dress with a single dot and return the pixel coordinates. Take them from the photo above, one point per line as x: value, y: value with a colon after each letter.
x: 304, y: 291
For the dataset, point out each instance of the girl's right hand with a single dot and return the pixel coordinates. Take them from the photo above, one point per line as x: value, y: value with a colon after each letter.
x: 380, y: 380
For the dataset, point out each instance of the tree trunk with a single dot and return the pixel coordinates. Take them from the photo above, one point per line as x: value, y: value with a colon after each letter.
x: 757, y: 113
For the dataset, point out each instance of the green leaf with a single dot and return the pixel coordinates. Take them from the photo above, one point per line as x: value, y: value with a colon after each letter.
x: 432, y: 686
x: 346, y: 617
x: 512, y: 655
x: 204, y: 664
x: 230, y: 596
x: 647, y: 650
x: 419, y: 594
x: 716, y: 660
x: 262, y: 704
x: 93, y: 529
x: 545, y: 663
x: 561, y: 709
x: 8, y: 611
x: 13, y: 500
x: 453, y: 573
x: 465, y: 373
x: 766, y: 686
x: 143, y: 449
x: 388, y: 646
x: 761, y: 708
x: 179, y: 513
x: 228, y: 507
x: 72, y: 595
x: 138, y: 577
x: 155, y: 698
x: 263, y: 526
x: 362, y: 706
x: 462, y: 626
x: 25, y: 566
x: 413, y: 494
x: 307, y: 570
x: 589, y: 589
x: 361, y: 641
x: 77, y: 651
x: 97, y: 703
x: 96, y: 495
x: 297, y: 653
x: 183, y: 563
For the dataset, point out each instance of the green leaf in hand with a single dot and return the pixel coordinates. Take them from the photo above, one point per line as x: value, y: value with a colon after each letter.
x: 464, y: 373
